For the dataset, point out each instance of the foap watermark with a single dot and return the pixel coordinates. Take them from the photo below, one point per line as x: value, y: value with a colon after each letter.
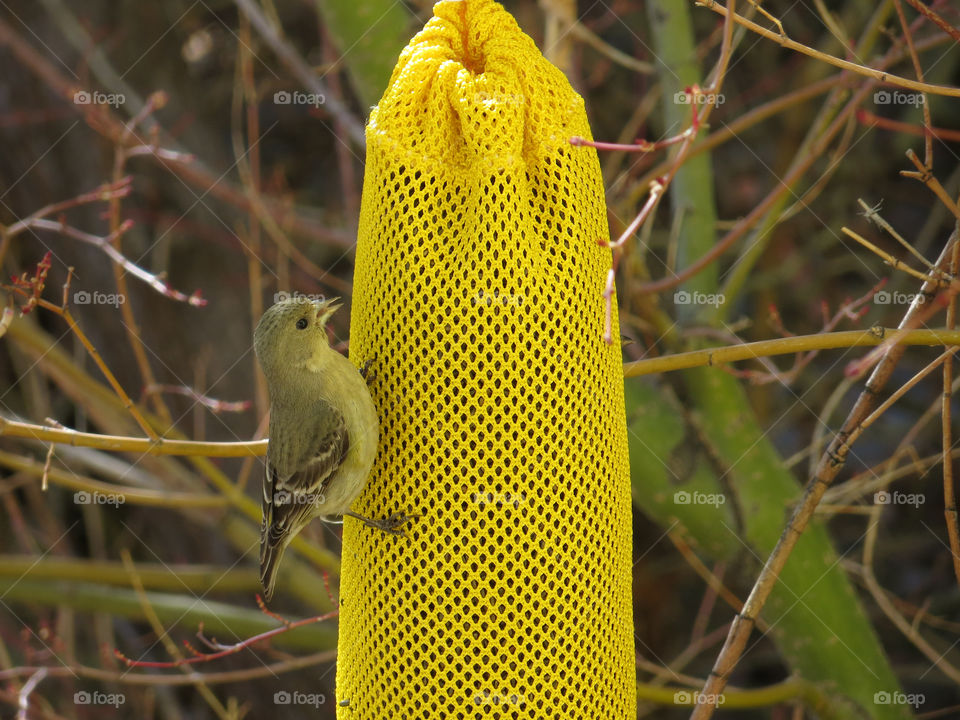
x: 885, y: 497
x: 899, y: 698
x: 83, y: 297
x: 696, y: 97
x: 497, y: 298
x: 282, y: 697
x: 488, y: 97
x: 898, y: 97
x: 489, y: 698
x: 98, y: 698
x: 84, y: 497
x: 694, y: 697
x: 284, y: 97
x: 682, y: 297
x: 684, y: 497
x: 283, y: 296
x: 500, y: 498
x: 284, y: 497
x: 84, y: 97
x: 885, y: 297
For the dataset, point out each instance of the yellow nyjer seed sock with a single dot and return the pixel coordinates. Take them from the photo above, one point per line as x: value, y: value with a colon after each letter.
x: 478, y: 289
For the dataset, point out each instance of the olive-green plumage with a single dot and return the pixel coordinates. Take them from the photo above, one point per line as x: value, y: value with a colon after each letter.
x: 323, y: 427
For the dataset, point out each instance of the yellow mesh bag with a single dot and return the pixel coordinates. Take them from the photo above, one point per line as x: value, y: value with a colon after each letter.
x: 478, y: 289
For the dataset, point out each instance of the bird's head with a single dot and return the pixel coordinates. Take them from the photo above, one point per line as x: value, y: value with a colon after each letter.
x: 291, y: 331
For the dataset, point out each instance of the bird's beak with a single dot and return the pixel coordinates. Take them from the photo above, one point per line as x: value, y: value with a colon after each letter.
x: 326, y: 309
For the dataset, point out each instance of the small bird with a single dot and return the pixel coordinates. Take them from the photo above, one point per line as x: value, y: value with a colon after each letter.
x: 323, y: 428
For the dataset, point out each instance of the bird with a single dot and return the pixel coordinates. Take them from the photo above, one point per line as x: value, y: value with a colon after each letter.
x: 323, y: 430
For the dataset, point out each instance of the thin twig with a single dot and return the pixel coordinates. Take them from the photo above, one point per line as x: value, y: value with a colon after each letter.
x: 949, y: 494
x: 23, y: 697
x: 878, y: 75
x: 226, y: 650
x: 116, y: 443
x: 154, y: 680
x: 935, y: 19
x: 918, y: 69
x: 889, y: 259
x: 105, y: 244
x: 865, y: 117
x: 713, y: 357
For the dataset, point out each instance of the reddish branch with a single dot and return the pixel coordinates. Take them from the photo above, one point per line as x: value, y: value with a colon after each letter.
x: 31, y: 287
x: 220, y: 650
x: 657, y: 188
x: 216, y: 406
x: 865, y: 117
x: 850, y: 309
x: 106, y: 245
x: 935, y: 19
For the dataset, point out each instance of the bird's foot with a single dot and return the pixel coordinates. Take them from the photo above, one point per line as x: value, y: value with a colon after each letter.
x: 392, y: 525
x: 365, y: 370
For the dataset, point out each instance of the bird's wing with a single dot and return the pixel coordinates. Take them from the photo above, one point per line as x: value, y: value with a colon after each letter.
x: 306, y: 468
x: 295, y: 482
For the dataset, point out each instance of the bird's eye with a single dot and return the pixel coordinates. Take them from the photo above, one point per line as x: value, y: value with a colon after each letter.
x: 302, y: 324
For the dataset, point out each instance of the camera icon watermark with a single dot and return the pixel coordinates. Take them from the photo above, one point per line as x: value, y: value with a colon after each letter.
x: 898, y: 97
x: 83, y: 497
x: 684, y: 497
x: 682, y: 297
x: 84, y: 297
x: 283, y: 697
x: 99, y: 698
x: 883, y: 697
x: 885, y: 497
x: 285, y: 97
x: 84, y: 97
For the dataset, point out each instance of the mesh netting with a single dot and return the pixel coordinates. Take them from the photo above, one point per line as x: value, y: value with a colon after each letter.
x: 478, y: 289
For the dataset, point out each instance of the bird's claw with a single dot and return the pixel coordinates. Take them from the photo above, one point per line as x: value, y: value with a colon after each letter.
x: 365, y: 370
x: 393, y: 525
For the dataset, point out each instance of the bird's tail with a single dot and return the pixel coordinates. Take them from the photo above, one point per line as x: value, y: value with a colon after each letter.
x: 271, y: 553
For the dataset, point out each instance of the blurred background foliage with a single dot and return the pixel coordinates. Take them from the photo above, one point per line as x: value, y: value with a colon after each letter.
x: 270, y: 202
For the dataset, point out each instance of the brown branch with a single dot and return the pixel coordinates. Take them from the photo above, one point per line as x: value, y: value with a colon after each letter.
x: 949, y: 493
x: 154, y: 680
x: 935, y: 19
x: 877, y: 75
x: 106, y: 245
x: 831, y: 462
x: 222, y: 651
x: 214, y: 405
x: 865, y: 117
